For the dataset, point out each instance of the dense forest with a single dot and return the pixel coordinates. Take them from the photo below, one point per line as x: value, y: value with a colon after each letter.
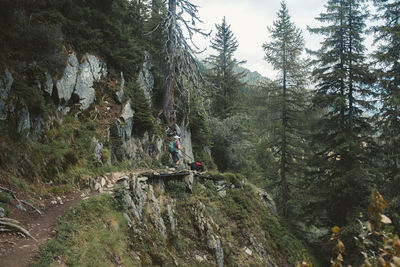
x: 322, y: 137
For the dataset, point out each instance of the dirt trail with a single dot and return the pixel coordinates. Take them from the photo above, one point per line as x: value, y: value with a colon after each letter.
x: 15, y: 250
x: 18, y: 251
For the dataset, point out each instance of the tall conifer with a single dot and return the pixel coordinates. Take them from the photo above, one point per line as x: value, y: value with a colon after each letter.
x: 387, y: 56
x: 284, y: 53
x: 223, y: 79
x: 341, y: 172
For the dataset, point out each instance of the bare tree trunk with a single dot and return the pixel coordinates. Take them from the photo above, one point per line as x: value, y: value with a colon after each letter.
x: 351, y: 74
x: 284, y: 184
x: 169, y: 112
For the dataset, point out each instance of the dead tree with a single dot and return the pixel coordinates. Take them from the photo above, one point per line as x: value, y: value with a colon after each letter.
x: 181, y: 65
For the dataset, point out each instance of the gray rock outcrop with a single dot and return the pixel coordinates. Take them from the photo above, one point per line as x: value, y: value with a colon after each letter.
x: 120, y: 95
x: 24, y: 123
x: 207, y: 225
x: 48, y: 87
x: 90, y: 70
x: 65, y: 86
x: 186, y: 142
x: 172, y: 217
x: 97, y: 148
x: 267, y: 200
x: 84, y: 85
x: 78, y: 79
x: 125, y: 122
x: 146, y: 79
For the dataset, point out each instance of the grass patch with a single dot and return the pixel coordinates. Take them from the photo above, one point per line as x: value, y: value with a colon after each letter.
x: 18, y: 183
x: 176, y: 189
x: 92, y: 233
x: 5, y: 198
x: 235, y: 179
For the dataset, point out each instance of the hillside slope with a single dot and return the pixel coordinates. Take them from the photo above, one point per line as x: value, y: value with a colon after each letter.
x: 194, y: 220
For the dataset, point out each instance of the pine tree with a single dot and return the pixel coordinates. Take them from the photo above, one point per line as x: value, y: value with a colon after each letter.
x: 224, y: 80
x: 284, y: 53
x: 156, y: 37
x: 387, y: 58
x: 340, y: 177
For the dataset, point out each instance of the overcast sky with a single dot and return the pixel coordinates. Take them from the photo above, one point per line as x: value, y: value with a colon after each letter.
x: 249, y: 20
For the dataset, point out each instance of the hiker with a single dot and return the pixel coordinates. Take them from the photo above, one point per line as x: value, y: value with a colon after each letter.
x: 174, y: 147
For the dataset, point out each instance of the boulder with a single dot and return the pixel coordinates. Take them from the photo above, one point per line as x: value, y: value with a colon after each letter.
x: 65, y: 86
x: 221, y: 188
x: 84, y: 85
x: 267, y: 200
x: 189, y: 180
x: 48, y: 87
x: 97, y: 68
x: 199, y: 259
x: 125, y: 122
x: 248, y: 251
x: 120, y: 95
x: 97, y: 148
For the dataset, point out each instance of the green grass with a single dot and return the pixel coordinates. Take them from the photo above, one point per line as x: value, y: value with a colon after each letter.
x: 19, y: 183
x: 92, y: 233
x: 242, y: 211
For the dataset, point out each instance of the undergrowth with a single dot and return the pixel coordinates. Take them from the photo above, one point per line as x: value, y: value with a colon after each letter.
x: 92, y: 233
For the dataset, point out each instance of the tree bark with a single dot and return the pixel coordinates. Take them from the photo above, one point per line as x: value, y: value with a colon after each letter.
x: 351, y: 71
x: 284, y: 184
x: 168, y: 103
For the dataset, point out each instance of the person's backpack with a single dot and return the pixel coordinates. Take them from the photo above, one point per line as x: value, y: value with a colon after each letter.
x: 171, y: 147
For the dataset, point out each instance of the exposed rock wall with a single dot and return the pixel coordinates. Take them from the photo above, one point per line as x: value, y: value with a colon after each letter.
x: 153, y: 213
x: 74, y: 90
x: 146, y: 79
x: 78, y: 79
x: 186, y: 142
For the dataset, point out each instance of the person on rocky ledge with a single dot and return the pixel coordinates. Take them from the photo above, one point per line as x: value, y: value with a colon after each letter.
x: 174, y: 147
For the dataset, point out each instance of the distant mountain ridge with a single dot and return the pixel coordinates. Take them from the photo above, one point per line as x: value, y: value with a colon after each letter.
x: 250, y: 77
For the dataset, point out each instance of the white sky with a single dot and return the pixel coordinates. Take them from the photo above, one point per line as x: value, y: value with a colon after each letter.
x: 249, y: 20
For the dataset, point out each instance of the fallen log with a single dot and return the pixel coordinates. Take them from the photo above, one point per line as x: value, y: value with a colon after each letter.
x: 18, y: 228
x: 12, y: 193
x: 9, y: 220
x: 30, y: 205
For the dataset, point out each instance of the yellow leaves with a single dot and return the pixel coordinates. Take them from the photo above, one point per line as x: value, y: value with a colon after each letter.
x: 396, y: 261
x: 366, y: 263
x: 385, y: 219
x: 304, y: 264
x: 377, y: 204
x: 340, y: 248
x: 396, y: 245
x: 369, y: 226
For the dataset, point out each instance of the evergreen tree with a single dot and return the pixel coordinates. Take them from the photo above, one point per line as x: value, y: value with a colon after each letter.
x: 341, y: 175
x: 156, y: 37
x: 284, y: 53
x: 387, y: 58
x: 224, y: 81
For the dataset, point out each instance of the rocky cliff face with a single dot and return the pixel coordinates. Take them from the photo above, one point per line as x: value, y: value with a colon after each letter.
x: 74, y: 92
